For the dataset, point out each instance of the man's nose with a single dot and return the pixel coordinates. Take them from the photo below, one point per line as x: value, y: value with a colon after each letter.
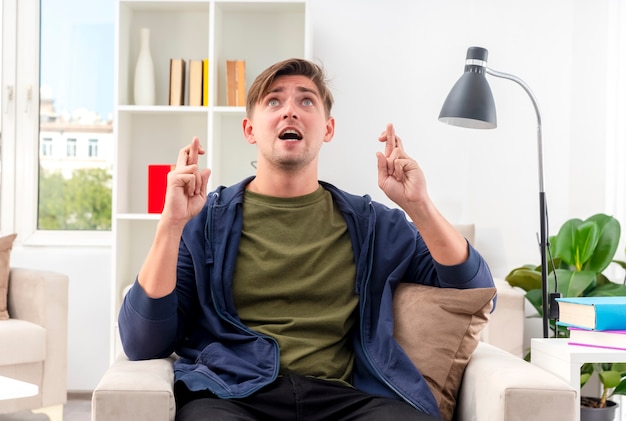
x: 290, y: 110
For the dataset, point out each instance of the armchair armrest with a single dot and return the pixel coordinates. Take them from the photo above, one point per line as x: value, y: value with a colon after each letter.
x: 499, y: 386
x: 135, y: 390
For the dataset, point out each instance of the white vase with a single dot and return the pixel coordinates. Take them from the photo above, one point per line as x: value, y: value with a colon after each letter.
x: 144, y: 72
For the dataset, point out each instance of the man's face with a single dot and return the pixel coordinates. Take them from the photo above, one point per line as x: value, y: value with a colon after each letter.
x: 289, y: 124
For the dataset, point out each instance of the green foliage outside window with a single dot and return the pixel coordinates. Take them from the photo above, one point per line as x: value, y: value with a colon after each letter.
x: 82, y: 202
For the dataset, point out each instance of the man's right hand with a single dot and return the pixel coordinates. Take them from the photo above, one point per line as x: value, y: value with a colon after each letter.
x: 186, y: 185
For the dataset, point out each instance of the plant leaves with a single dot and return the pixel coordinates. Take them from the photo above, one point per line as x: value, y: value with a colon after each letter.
x: 563, y: 242
x: 620, y: 389
x: 584, y: 378
x: 610, y: 289
x: 534, y: 297
x: 608, y: 241
x: 621, y: 367
x: 525, y: 278
x: 573, y: 284
x: 610, y: 378
x: 585, y: 240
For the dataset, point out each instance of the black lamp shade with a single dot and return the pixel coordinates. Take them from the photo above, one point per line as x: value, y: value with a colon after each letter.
x: 470, y: 102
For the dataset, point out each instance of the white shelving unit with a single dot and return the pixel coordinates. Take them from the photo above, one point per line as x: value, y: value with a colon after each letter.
x: 259, y: 32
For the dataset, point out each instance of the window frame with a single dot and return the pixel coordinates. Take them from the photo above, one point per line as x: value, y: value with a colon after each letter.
x: 20, y: 120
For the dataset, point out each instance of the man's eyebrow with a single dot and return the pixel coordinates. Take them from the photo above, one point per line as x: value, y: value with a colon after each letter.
x: 309, y: 90
x: 279, y: 89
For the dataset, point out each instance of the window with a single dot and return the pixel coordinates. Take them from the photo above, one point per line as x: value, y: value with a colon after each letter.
x: 93, y: 148
x: 70, y: 147
x: 46, y: 146
x: 57, y: 62
x: 76, y: 85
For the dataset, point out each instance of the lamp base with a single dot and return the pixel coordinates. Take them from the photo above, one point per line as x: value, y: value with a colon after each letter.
x: 553, y: 305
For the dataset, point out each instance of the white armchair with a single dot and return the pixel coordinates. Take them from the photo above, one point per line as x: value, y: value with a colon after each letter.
x: 497, y: 385
x: 34, y: 340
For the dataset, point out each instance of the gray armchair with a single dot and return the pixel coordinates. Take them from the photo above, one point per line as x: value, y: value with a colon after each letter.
x: 34, y: 340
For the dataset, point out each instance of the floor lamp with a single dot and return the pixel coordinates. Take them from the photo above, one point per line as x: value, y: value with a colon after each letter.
x: 470, y: 104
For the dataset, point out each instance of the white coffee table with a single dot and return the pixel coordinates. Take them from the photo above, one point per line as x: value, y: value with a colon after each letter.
x: 564, y: 360
x: 12, y: 389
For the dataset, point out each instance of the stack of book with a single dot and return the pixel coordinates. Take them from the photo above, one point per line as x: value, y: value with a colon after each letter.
x: 194, y: 74
x: 594, y: 321
x: 197, y: 82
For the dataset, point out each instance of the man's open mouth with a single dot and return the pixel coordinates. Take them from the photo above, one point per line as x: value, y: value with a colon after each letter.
x: 290, y: 134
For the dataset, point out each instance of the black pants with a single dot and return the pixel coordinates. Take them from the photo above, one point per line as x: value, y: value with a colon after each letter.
x: 295, y: 398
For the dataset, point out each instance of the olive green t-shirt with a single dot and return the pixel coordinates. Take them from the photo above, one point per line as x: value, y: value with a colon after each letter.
x: 294, y: 280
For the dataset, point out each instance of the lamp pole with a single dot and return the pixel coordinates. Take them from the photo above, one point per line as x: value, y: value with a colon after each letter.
x: 543, y: 212
x: 470, y: 104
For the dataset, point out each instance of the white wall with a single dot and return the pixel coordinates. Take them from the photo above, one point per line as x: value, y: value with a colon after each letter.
x: 395, y: 61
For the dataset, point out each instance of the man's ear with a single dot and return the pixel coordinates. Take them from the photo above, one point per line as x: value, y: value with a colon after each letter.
x: 248, y: 131
x: 330, y: 129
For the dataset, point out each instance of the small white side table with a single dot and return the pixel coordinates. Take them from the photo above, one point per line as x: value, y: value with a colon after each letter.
x: 13, y: 389
x: 564, y: 360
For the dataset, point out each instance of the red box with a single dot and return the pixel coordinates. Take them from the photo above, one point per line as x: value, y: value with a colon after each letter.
x: 157, y: 185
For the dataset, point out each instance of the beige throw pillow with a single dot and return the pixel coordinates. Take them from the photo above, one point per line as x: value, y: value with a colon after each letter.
x: 439, y: 329
x: 6, y: 244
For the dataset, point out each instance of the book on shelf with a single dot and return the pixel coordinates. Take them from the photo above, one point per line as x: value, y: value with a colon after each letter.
x: 157, y: 185
x: 205, y: 82
x: 195, y: 82
x: 599, y: 313
x: 235, y: 83
x: 177, y: 82
x: 241, y: 83
x: 613, y: 339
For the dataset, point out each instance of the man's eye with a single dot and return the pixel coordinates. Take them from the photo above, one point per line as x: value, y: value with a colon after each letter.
x: 307, y: 102
x: 272, y: 102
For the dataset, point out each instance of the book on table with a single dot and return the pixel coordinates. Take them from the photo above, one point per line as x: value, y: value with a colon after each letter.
x: 613, y: 339
x: 598, y: 313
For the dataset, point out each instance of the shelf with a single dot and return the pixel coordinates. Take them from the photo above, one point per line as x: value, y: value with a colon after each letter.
x: 139, y: 216
x: 259, y: 32
x: 230, y: 110
x: 164, y: 5
x: 161, y: 109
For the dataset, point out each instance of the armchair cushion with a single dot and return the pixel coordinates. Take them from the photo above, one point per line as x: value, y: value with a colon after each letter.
x: 6, y: 244
x: 22, y: 342
x: 439, y: 329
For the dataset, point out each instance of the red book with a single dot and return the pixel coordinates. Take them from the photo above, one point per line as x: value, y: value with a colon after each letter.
x: 157, y: 185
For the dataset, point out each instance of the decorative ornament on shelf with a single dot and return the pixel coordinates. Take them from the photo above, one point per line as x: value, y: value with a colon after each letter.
x: 144, y: 72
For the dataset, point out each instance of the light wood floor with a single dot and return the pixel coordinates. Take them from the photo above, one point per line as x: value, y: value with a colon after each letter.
x: 77, y: 408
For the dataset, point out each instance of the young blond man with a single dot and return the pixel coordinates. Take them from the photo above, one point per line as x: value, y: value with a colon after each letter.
x: 276, y: 292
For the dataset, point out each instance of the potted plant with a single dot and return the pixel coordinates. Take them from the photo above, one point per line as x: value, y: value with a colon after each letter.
x: 612, y: 378
x: 581, y: 252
